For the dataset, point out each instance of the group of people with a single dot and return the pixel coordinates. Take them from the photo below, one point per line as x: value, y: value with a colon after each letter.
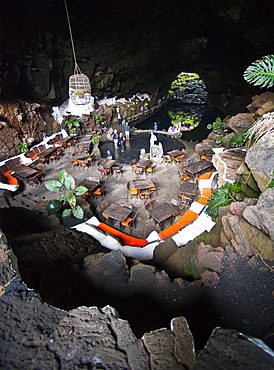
x: 118, y: 139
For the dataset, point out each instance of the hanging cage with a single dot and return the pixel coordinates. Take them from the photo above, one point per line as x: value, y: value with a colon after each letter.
x: 79, y: 88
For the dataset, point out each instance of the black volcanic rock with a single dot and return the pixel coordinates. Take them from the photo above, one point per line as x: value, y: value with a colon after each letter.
x: 130, y: 47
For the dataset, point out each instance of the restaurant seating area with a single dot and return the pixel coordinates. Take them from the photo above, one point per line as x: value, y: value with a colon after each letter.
x: 148, y: 189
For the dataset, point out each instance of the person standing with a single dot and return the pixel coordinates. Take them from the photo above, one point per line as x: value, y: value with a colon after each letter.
x: 115, y: 139
x: 119, y: 117
x: 109, y: 155
x: 127, y: 131
x: 155, y: 127
x: 121, y: 142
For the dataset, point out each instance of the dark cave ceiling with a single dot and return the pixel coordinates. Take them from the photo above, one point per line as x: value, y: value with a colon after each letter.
x: 129, y: 47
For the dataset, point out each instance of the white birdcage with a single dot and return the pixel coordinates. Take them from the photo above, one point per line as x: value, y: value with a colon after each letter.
x: 79, y: 88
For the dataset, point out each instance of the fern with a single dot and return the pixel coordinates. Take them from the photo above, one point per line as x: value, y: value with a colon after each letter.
x: 261, y: 72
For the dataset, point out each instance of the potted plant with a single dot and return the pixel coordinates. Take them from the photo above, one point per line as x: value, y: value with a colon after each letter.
x: 65, y: 184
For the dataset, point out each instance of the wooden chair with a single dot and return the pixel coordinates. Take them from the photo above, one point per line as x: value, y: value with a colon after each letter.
x: 145, y: 194
x: 100, y: 191
x: 100, y: 209
x: 150, y: 205
x: 179, y: 159
x: 167, y: 159
x: 185, y: 198
x: 117, y: 170
x: 138, y: 170
x: 183, y: 175
x: 104, y: 171
x: 132, y: 191
x: 150, y: 170
x: 179, y: 206
x: 129, y: 221
x: 74, y: 163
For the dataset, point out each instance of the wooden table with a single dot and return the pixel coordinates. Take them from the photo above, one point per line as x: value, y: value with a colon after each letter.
x: 27, y: 173
x: 46, y: 153
x: 142, y: 184
x: 143, y: 163
x: 162, y: 213
x: 176, y: 153
x: 108, y: 164
x: 91, y: 185
x: 117, y: 212
x: 188, y: 188
x: 197, y: 167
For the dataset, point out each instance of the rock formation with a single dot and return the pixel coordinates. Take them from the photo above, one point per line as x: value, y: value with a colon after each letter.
x: 137, y: 48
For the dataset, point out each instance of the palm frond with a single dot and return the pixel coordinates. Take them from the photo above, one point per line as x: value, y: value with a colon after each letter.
x: 261, y: 72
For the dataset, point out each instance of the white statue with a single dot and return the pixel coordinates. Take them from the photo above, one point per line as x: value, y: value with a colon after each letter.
x: 153, y: 138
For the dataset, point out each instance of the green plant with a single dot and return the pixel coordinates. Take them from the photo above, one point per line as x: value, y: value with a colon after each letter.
x: 261, y: 72
x: 98, y: 117
x: 66, y: 185
x: 95, y: 139
x: 217, y: 126
x: 23, y: 147
x: 223, y: 196
x: 72, y: 124
x: 238, y: 140
x: 271, y: 183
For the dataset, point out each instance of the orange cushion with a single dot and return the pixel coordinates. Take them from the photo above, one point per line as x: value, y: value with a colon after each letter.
x: 11, y: 180
x: 126, y: 239
x: 169, y: 231
x: 207, y: 192
x: 126, y: 222
x: 202, y: 200
x: 97, y: 191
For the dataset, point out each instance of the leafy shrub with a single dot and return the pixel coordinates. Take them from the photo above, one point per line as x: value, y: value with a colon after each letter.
x: 238, y: 140
x: 217, y: 126
x: 223, y: 196
x: 72, y: 124
x: 66, y: 185
x: 23, y: 147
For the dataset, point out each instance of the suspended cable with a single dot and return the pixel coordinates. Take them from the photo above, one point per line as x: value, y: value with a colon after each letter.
x: 79, y: 84
x: 76, y: 68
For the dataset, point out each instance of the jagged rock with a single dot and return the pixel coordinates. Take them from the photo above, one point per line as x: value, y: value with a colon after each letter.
x: 259, y: 100
x: 248, y: 183
x: 258, y: 240
x: 233, y: 235
x: 237, y: 208
x: 227, y: 163
x: 171, y: 349
x: 246, y: 234
x: 260, y: 160
x: 262, y: 214
x: 266, y: 107
x: 216, y: 355
x: 209, y: 278
x: 108, y: 271
x: 226, y: 140
x: 206, y: 258
x: 241, y: 122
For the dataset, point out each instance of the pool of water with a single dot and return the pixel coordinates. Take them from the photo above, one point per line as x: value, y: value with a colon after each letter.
x: 132, y: 147
x: 203, y: 113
